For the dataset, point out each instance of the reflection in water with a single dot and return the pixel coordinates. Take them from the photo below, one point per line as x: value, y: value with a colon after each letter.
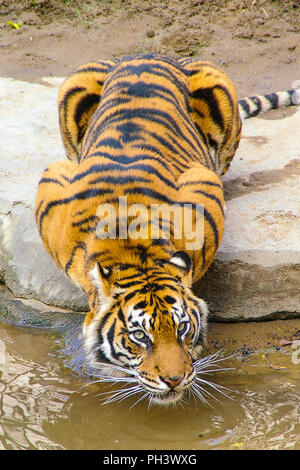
x: 46, y: 405
x: 31, y: 392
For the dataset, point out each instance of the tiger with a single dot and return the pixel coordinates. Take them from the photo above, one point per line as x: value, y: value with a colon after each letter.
x: 151, y: 131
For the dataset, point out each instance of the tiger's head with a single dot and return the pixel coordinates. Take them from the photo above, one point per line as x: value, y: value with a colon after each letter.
x: 149, y: 325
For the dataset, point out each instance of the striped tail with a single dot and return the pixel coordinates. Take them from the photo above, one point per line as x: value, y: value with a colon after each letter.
x: 250, y: 107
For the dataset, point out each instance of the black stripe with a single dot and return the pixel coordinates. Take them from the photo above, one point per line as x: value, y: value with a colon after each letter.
x: 108, y: 103
x: 157, y: 66
x: 68, y: 180
x: 110, y: 142
x: 208, y: 159
x: 170, y: 147
x: 83, y: 106
x: 126, y: 266
x: 73, y: 91
x: 121, y: 180
x: 38, y: 208
x: 90, y: 193
x: 208, y: 95
x: 141, y: 89
x: 208, y: 183
x: 160, y: 242
x: 64, y: 104
x: 291, y: 93
x: 121, y: 316
x: 98, y: 67
x: 212, y: 142
x: 84, y: 221
x: 51, y: 180
x: 245, y: 106
x: 130, y: 295
x: 273, y: 99
x: 148, y: 192
x: 152, y: 148
x: 78, y: 246
x: 129, y: 161
x: 190, y: 155
x: 126, y: 285
x: 94, y: 256
x: 212, y: 223
x: 257, y: 102
x: 210, y: 196
x: 141, y: 305
x: 101, y: 326
x: 109, y: 167
x: 203, y: 254
x: 110, y: 337
x: 144, y: 167
x: 132, y: 276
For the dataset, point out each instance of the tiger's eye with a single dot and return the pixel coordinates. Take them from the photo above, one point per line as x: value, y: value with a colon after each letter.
x: 139, y: 335
x: 182, y: 327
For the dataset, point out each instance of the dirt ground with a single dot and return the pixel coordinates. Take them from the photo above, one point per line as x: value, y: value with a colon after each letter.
x: 257, y: 42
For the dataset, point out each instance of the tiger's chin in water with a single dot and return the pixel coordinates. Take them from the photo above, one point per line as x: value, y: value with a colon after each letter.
x: 129, y: 385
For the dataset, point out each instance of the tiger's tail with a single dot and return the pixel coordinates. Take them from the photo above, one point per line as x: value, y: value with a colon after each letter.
x: 254, y: 105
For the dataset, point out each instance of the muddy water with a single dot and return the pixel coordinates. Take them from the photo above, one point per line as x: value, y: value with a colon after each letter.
x: 46, y: 405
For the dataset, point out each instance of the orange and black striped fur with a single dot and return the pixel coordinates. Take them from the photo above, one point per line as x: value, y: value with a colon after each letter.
x: 153, y: 130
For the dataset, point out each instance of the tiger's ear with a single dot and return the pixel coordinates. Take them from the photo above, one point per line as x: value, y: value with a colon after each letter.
x: 100, y: 277
x: 182, y: 260
x: 101, y: 271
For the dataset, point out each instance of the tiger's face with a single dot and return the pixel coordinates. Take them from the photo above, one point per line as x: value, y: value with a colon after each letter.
x: 149, y: 325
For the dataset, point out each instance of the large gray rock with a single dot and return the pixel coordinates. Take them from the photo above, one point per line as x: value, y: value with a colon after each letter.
x: 257, y: 271
x: 29, y: 142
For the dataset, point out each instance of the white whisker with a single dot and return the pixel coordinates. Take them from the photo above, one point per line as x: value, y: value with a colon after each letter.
x: 145, y: 395
x: 209, y: 365
x: 122, y: 394
x: 112, y: 367
x: 124, y: 390
x: 211, y: 361
x: 87, y: 384
x: 215, y: 386
x: 115, y: 392
x: 202, y: 390
x: 209, y: 371
x: 197, y: 392
x: 181, y: 402
x: 150, y: 401
x: 111, y: 380
x: 107, y: 378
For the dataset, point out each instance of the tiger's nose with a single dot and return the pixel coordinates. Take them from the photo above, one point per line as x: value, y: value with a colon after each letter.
x: 172, y: 381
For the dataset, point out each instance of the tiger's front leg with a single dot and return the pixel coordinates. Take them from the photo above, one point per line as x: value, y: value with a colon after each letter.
x: 203, y: 187
x: 52, y: 209
x: 56, y: 205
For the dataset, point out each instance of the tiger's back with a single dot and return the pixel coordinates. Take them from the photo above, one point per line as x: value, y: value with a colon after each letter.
x: 197, y: 87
